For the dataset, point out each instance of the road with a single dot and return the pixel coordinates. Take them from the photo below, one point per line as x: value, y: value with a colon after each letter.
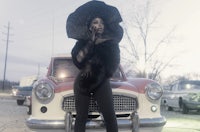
x: 13, y: 117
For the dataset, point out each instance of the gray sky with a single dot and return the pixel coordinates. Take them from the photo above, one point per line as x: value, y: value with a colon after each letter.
x: 38, y: 32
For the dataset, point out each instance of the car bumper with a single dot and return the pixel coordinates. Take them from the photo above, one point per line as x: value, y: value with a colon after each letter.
x: 19, y: 97
x: 134, y: 123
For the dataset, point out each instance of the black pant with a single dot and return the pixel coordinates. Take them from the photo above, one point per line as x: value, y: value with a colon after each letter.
x: 103, y: 95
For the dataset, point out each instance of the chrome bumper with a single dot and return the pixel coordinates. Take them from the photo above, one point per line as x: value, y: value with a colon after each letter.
x: 133, y: 123
x: 19, y: 97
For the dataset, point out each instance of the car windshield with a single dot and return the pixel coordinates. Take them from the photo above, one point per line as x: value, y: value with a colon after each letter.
x: 64, y: 68
x: 191, y: 85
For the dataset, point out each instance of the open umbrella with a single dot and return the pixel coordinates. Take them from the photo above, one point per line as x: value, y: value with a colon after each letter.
x: 77, y: 22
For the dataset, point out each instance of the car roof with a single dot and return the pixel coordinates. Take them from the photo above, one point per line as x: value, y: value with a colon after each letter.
x: 191, y: 81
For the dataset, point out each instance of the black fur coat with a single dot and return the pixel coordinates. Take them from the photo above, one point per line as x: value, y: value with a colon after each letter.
x: 98, y: 64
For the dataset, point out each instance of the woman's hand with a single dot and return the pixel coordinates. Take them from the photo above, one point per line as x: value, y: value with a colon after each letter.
x: 86, y: 75
x: 93, y: 36
x: 87, y: 72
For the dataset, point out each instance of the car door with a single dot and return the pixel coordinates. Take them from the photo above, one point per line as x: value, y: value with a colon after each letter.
x: 172, y: 99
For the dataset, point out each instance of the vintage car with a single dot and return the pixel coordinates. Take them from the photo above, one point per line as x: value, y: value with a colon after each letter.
x: 136, y: 101
x: 20, y: 93
x: 23, y: 92
x: 23, y: 96
x: 14, y: 92
x: 183, y: 95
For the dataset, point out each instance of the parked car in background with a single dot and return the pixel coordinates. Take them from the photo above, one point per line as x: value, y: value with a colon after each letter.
x: 20, y: 93
x: 136, y: 101
x: 14, y: 90
x: 166, y: 89
x: 23, y: 92
x: 184, y: 95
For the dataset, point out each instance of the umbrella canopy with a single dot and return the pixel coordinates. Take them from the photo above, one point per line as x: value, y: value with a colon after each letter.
x: 78, y: 21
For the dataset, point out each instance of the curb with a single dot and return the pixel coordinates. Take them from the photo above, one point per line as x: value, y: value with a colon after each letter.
x: 5, y: 96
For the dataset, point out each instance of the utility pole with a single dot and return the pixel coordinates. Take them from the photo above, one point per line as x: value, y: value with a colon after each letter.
x: 53, y: 22
x: 38, y: 74
x: 5, y: 66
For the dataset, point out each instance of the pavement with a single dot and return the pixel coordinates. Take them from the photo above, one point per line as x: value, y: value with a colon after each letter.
x: 12, y: 116
x: 5, y: 95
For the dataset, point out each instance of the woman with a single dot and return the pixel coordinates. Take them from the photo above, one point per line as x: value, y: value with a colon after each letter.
x: 97, y: 58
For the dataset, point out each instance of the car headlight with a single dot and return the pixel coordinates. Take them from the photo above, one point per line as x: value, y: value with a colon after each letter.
x: 154, y: 91
x: 44, y: 92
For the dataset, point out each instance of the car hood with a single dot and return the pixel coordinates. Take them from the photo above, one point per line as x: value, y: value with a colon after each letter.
x: 68, y: 85
x: 140, y: 83
x: 133, y: 84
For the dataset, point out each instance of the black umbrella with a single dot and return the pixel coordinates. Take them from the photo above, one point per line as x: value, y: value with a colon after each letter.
x: 77, y: 22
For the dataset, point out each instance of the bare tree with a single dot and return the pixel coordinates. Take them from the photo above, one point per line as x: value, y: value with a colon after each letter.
x: 150, y: 65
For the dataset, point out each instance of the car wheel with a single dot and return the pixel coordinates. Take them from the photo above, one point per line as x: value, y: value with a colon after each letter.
x: 169, y: 108
x: 185, y: 109
x: 20, y: 102
x: 29, y: 110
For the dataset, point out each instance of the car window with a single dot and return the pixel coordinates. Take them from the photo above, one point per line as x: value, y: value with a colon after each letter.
x: 174, y: 87
x: 189, y: 86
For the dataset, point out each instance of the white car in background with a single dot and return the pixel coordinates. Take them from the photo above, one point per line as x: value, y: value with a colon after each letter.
x: 184, y: 95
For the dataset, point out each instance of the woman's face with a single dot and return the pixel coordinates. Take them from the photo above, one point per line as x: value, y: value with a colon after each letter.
x: 97, y: 25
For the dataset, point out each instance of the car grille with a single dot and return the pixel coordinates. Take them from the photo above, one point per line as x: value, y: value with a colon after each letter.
x: 121, y: 103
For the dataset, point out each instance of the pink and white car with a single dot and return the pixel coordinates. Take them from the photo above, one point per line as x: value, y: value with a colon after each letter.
x: 136, y: 102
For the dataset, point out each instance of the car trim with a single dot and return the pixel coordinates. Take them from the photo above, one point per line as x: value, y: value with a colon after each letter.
x: 19, y: 97
x: 122, y: 123
x: 192, y: 105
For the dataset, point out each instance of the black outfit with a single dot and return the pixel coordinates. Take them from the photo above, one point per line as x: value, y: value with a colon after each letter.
x: 97, y: 65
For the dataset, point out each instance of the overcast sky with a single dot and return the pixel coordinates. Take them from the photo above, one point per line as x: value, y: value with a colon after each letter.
x: 37, y: 31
